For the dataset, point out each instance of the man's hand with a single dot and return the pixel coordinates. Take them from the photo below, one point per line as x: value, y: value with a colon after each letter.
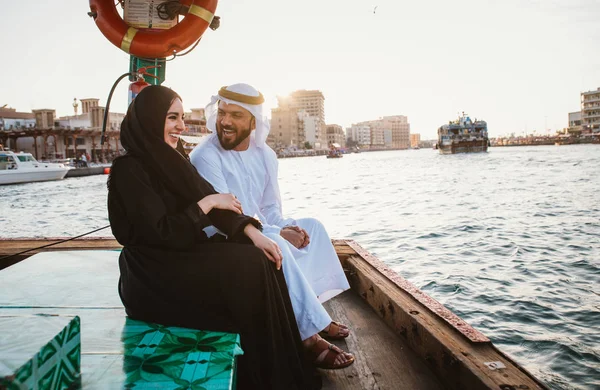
x: 296, y: 236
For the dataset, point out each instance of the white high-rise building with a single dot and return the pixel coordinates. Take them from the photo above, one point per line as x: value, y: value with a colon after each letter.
x: 360, y: 133
x: 590, y: 110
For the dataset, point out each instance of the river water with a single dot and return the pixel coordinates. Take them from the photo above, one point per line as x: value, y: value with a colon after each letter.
x: 509, y: 240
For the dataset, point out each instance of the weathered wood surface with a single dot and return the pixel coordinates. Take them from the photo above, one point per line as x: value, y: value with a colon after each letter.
x: 10, y: 248
x: 383, y: 360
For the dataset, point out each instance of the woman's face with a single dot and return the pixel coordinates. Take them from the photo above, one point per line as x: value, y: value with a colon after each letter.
x: 174, y: 123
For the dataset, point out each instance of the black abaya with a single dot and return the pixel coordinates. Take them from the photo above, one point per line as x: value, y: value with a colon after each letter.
x: 172, y: 274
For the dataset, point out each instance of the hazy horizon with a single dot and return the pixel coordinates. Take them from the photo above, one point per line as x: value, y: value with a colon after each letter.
x: 519, y: 65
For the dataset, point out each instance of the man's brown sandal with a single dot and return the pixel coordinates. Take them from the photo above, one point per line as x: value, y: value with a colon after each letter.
x: 335, y: 331
x: 324, y: 355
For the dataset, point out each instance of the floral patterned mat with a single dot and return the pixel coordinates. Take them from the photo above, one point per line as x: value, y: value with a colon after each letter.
x: 178, y: 358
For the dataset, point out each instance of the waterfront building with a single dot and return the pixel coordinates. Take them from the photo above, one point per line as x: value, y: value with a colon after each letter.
x: 312, y: 130
x: 575, y: 119
x: 289, y: 117
x: 398, y: 126
x: 44, y: 118
x: 195, y: 129
x: 590, y: 111
x: 10, y: 119
x: 195, y: 122
x: 387, y: 138
x: 287, y: 127
x: 313, y: 102
x: 360, y: 133
x: 400, y: 130
x: 335, y: 134
x: 575, y: 122
x: 196, y: 114
x: 376, y: 132
x: 415, y: 140
x: 51, y: 138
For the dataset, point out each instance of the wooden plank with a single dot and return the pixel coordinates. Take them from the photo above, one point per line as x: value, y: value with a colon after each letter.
x: 460, y: 362
x: 11, y: 248
x: 383, y: 360
x: 10, y: 245
x: 342, y: 248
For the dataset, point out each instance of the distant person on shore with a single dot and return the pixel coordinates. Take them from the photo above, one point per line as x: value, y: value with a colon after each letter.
x: 84, y: 160
x: 235, y: 159
x: 173, y: 274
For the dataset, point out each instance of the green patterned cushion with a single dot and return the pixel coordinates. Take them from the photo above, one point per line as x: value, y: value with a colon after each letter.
x: 39, y: 351
x: 178, y: 358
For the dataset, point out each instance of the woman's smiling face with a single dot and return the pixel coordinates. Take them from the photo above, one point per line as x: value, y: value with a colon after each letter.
x: 174, y: 123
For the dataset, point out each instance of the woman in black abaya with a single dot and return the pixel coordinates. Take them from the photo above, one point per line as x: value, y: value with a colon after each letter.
x: 172, y: 274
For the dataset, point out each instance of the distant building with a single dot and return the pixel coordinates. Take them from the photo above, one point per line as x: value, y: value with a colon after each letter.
x: 44, y: 118
x: 196, y: 114
x: 288, y: 119
x: 575, y: 119
x: 590, y: 111
x: 398, y: 126
x: 574, y: 122
x: 360, y: 134
x: 10, y: 119
x: 48, y: 137
x: 195, y: 122
x: 415, y: 140
x: 287, y: 127
x: 335, y: 134
x: 377, y: 140
x: 387, y: 138
x: 400, y: 130
x: 312, y: 129
x: 313, y: 102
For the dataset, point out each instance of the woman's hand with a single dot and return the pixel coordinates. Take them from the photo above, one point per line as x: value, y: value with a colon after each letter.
x: 268, y: 246
x: 220, y: 201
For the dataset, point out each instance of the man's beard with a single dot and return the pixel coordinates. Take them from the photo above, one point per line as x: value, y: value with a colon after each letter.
x: 229, y: 145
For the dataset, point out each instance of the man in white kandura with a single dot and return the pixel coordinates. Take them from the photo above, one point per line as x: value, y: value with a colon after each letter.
x: 236, y: 159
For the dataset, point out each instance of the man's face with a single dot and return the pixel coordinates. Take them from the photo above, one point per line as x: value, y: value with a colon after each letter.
x: 234, y: 125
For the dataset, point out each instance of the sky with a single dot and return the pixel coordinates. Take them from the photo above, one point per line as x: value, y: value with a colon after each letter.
x: 518, y: 64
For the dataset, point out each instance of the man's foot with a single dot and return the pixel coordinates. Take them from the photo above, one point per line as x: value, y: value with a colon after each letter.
x: 335, y: 331
x: 328, y: 356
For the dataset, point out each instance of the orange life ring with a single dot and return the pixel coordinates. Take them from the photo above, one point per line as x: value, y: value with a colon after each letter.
x: 153, y: 44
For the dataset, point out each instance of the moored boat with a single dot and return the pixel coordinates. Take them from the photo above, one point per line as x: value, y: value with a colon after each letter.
x: 402, y: 338
x: 24, y: 168
x: 463, y: 136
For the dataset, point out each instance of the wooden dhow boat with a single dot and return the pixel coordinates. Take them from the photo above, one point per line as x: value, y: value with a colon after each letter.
x: 401, y: 337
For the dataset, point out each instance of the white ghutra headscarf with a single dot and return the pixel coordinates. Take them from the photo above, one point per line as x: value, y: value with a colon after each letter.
x: 247, y: 97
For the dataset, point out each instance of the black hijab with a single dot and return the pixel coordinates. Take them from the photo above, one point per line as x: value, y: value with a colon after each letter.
x: 142, y: 136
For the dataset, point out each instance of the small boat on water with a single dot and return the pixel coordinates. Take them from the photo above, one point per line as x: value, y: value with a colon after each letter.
x: 24, y: 168
x: 335, y: 151
x: 401, y: 337
x: 463, y: 136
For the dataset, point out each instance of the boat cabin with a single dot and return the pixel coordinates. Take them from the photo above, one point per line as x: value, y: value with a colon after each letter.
x: 10, y: 160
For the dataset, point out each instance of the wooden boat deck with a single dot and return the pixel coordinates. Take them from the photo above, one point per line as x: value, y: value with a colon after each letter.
x: 383, y: 361
x: 402, y: 338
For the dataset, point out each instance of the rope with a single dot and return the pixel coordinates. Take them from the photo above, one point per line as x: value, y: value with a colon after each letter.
x: 52, y: 244
x: 171, y: 9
